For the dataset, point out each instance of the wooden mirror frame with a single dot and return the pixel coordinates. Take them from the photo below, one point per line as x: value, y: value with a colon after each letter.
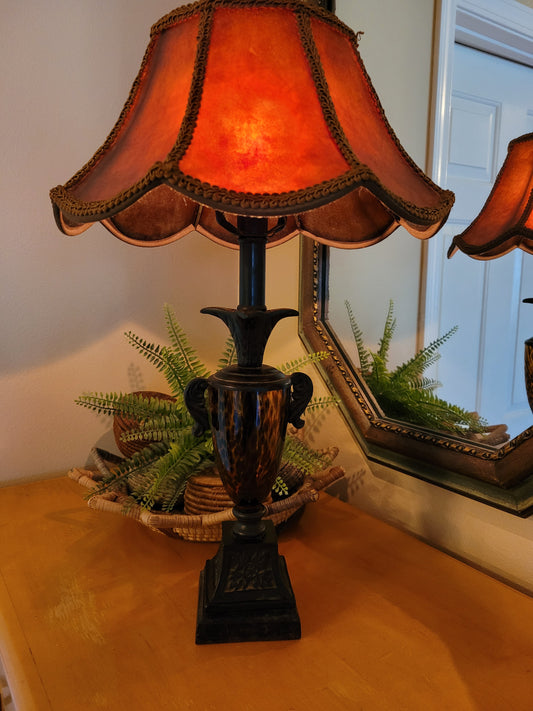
x: 500, y: 476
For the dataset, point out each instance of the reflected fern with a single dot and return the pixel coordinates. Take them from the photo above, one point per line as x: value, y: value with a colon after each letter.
x: 405, y: 393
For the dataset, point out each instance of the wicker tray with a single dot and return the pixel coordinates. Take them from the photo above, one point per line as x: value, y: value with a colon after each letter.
x: 206, y: 501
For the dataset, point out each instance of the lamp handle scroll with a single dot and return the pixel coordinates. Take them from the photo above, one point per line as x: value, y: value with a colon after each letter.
x: 301, y: 394
x: 194, y: 396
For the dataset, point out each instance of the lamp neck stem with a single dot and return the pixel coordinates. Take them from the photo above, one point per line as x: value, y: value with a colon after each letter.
x: 251, y: 323
x: 253, y: 232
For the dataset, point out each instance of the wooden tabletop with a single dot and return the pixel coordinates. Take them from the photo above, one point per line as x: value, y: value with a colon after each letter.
x: 99, y: 612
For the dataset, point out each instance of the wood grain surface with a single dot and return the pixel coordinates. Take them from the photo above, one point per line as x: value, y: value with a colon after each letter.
x: 99, y: 612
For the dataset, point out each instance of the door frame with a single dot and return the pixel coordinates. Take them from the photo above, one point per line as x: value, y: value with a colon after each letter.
x: 500, y: 27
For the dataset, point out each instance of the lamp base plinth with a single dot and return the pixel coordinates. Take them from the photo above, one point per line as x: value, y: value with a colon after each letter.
x: 245, y: 594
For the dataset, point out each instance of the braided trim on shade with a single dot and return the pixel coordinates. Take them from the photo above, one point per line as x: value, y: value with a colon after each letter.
x: 99, y: 209
x: 321, y: 85
x: 507, y: 240
x: 248, y: 203
x: 330, y: 116
x: 308, y: 198
x: 187, y: 11
x: 203, y: 193
x: 188, y: 125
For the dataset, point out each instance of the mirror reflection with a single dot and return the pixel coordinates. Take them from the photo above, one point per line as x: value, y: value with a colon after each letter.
x: 483, y: 99
x: 481, y: 365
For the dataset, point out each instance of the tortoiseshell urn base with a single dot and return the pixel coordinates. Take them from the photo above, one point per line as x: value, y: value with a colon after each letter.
x: 248, y: 411
x: 245, y: 594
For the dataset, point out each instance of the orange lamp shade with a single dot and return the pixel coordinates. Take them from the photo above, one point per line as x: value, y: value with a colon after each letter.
x: 252, y: 107
x: 506, y: 219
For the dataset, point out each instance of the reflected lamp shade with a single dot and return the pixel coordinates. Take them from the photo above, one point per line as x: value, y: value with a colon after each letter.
x: 255, y: 108
x: 505, y: 221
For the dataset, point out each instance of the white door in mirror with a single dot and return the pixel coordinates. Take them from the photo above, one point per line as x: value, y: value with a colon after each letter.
x: 482, y: 365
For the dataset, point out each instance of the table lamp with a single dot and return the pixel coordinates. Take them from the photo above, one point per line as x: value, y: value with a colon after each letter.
x: 505, y: 222
x: 251, y: 121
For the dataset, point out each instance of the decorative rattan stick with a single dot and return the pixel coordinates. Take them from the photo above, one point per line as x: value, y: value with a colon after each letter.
x: 119, y: 505
x: 100, y: 464
x: 309, y: 491
x: 305, y: 495
x: 123, y: 504
x: 185, y: 520
x: 327, y: 477
x: 82, y: 477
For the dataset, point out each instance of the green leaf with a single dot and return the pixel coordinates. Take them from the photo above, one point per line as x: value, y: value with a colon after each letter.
x: 280, y: 487
x: 184, y: 356
x: 172, y: 471
x: 293, y: 366
x: 299, y: 454
x: 229, y: 355
x: 388, y: 332
x: 425, y: 357
x: 405, y: 393
x: 131, y: 405
x: 362, y: 352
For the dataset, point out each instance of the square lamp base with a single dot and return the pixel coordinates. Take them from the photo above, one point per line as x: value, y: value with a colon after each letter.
x: 245, y: 594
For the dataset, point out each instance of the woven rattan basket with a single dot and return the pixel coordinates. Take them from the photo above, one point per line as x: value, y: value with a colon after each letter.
x: 206, y: 504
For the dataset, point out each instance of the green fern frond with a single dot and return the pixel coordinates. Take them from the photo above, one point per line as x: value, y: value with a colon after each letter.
x: 362, y: 352
x: 128, y: 404
x: 293, y: 366
x: 435, y: 413
x: 322, y: 402
x: 184, y: 353
x: 280, y: 487
x: 153, y: 352
x: 425, y: 357
x: 164, y: 359
x: 423, y: 407
x: 423, y: 383
x: 139, y: 482
x: 405, y: 393
x: 379, y: 374
x: 297, y: 453
x: 101, y: 403
x: 388, y: 332
x: 229, y: 355
x: 139, y: 462
x: 156, y: 432
x: 181, y: 461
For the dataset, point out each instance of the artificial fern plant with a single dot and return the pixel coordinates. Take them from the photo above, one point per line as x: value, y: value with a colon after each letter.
x: 155, y: 477
x: 405, y: 393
